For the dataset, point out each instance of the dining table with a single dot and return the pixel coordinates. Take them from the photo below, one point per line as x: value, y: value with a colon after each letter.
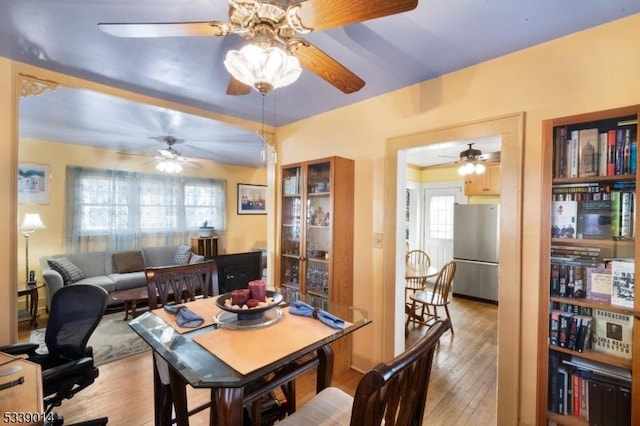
x: 229, y: 354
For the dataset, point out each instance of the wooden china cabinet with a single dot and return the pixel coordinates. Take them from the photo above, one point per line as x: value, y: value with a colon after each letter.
x: 316, y: 228
x: 316, y: 236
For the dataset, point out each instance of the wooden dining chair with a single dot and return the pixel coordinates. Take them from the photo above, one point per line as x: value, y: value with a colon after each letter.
x: 184, y: 283
x: 428, y: 302
x: 392, y: 393
x: 175, y: 285
x: 414, y: 259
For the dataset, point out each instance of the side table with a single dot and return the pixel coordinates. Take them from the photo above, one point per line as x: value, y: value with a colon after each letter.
x: 30, y: 291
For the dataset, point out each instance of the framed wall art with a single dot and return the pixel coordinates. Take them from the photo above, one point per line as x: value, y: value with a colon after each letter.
x: 33, y: 183
x: 252, y: 199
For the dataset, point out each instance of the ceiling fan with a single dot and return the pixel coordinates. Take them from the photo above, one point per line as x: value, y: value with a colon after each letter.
x: 271, y: 23
x: 471, y: 160
x: 169, y: 159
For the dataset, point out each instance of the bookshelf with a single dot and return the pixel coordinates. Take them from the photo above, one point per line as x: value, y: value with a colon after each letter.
x: 588, y: 328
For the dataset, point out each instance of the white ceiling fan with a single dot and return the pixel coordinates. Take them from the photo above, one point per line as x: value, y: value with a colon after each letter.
x: 168, y: 160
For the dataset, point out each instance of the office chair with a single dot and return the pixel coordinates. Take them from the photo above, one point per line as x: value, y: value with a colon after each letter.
x: 68, y: 366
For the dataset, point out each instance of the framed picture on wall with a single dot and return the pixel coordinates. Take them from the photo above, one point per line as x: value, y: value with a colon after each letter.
x: 33, y: 183
x: 252, y: 199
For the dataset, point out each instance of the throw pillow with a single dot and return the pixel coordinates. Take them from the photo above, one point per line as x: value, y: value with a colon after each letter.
x: 182, y: 256
x: 128, y: 261
x: 69, y: 271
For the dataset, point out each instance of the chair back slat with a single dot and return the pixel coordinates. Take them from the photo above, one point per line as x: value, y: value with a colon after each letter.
x: 442, y: 285
x: 396, y: 392
x: 181, y: 283
x: 417, y: 258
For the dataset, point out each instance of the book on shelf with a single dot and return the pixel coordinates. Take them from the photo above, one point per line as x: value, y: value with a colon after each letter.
x: 588, y: 152
x: 611, y: 152
x: 594, y: 219
x: 564, y: 328
x: 564, y: 219
x: 559, y: 152
x: 573, y: 153
x: 602, y: 154
x: 612, y: 333
x: 598, y: 284
x: 627, y: 205
x: 622, y: 282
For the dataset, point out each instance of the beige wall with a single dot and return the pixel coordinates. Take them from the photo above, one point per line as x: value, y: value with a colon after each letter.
x: 242, y: 230
x: 587, y: 71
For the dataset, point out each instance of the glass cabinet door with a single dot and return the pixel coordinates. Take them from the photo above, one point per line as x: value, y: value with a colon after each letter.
x: 318, y: 229
x: 291, y: 228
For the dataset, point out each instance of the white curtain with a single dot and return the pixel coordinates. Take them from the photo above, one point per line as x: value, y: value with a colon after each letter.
x: 116, y: 210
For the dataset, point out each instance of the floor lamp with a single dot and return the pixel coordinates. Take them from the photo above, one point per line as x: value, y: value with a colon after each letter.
x: 29, y: 225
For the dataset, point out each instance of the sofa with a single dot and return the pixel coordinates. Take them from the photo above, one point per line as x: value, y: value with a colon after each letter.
x: 111, y: 270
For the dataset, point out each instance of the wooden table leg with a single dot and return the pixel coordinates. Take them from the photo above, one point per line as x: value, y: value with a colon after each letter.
x: 179, y: 397
x: 229, y: 402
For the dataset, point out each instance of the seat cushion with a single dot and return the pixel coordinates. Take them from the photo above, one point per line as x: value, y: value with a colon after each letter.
x: 69, y: 271
x: 332, y: 406
x: 128, y: 280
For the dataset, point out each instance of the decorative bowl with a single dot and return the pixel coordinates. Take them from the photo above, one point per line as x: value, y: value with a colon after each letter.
x: 249, y: 313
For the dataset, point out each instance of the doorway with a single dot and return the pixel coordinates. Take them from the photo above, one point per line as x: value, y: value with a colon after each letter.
x: 510, y: 128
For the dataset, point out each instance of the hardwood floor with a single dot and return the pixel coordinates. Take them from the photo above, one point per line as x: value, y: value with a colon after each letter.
x: 462, y: 389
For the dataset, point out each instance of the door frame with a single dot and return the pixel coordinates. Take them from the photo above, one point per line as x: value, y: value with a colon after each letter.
x: 511, y: 128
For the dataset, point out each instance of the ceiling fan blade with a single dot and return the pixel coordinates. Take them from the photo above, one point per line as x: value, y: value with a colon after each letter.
x: 323, y: 65
x: 325, y: 14
x: 168, y: 29
x: 236, y: 87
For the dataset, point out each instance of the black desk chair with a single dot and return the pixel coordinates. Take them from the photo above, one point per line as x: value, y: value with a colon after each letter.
x: 68, y: 366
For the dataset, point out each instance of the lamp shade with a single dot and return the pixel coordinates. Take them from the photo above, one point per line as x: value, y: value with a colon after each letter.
x: 262, y: 69
x: 32, y: 222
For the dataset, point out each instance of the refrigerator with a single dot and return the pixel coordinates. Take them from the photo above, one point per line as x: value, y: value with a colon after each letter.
x: 476, y: 250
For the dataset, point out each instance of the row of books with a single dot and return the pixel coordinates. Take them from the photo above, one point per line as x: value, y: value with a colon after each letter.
x: 612, y: 281
x: 596, y: 392
x: 595, y: 152
x: 608, y: 218
x: 570, y: 331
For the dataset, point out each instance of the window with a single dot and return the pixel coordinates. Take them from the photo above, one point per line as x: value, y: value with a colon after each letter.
x: 441, y: 217
x: 114, y: 210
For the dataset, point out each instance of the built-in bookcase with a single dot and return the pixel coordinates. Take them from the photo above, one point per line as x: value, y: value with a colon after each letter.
x: 588, y: 318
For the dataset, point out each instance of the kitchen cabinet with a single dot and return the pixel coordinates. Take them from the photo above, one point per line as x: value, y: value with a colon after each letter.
x: 487, y: 183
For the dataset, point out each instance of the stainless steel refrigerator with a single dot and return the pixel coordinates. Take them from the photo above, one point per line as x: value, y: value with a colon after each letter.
x: 476, y: 250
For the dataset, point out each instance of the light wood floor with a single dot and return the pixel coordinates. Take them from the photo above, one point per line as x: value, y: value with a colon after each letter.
x: 462, y: 389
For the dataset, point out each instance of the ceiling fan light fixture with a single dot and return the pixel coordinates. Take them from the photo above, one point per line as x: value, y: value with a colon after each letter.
x: 264, y: 69
x: 470, y: 168
x: 169, y: 166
